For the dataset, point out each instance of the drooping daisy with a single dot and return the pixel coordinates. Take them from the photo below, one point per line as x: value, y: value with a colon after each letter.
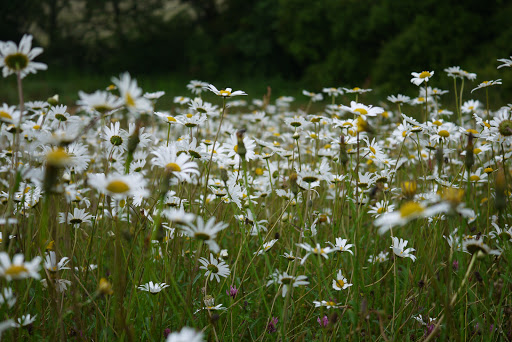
x: 206, y: 232
x: 420, y: 77
x: 179, y: 165
x: 340, y: 283
x: 20, y: 58
x: 214, y: 268
x: 18, y: 269
x: 399, y: 250
x: 153, y: 288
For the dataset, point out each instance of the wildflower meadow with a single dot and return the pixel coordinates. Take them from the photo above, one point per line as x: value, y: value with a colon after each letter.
x: 255, y: 217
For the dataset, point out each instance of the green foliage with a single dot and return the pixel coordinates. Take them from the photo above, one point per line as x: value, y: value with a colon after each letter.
x: 324, y: 42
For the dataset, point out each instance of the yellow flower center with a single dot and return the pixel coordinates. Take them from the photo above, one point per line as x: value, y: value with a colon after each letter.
x: 437, y: 123
x: 411, y: 208
x: 356, y: 89
x: 373, y: 149
x: 471, y: 130
x: 444, y: 133
x: 361, y: 111
x: 425, y: 74
x: 118, y: 187
x: 173, y: 167
x: 57, y: 157
x: 129, y: 100
x: 189, y: 115
x: 488, y: 170
x: 224, y: 93
x: 340, y: 283
x: 235, y: 148
x: 330, y: 303
x: 477, y: 150
x: 421, y: 99
x: 474, y: 178
x: 380, y: 210
x: 171, y: 119
x: 5, y: 115
x: 259, y: 171
x: 36, y: 127
x: 16, y: 270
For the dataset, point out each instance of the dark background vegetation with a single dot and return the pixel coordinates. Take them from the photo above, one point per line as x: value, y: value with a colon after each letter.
x: 370, y: 43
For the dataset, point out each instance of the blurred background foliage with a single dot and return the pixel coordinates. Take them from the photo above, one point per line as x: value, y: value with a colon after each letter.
x: 365, y: 43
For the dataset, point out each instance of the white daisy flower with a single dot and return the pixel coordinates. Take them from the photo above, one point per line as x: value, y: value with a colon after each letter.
x: 18, y: 268
x: 398, y: 248
x: 420, y: 77
x: 214, y: 268
x: 153, y: 288
x: 20, y: 58
x: 340, y: 283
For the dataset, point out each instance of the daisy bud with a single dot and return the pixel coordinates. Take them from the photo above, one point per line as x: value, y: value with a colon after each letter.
x: 54, y: 100
x: 505, y: 128
x: 240, y: 147
x: 224, y: 175
x: 343, y: 152
x: 293, y: 184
